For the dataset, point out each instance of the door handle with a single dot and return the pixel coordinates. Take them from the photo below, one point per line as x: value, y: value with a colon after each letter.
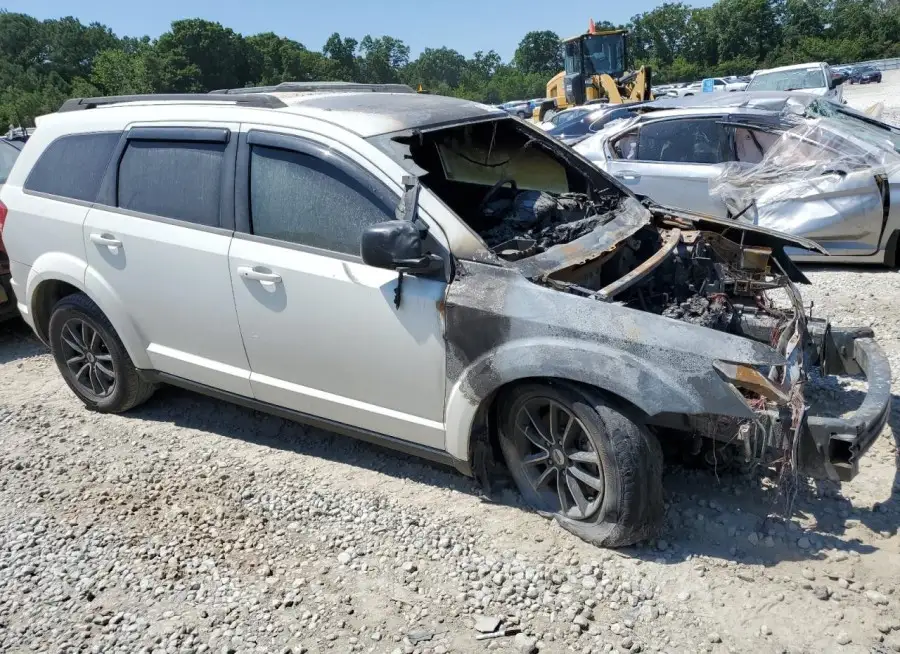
x: 628, y: 176
x: 259, y: 275
x: 107, y: 240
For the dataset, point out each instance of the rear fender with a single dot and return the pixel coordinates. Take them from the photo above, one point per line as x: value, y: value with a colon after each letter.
x: 58, y: 266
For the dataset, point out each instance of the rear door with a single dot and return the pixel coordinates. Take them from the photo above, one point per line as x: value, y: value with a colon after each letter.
x: 158, y: 240
x: 672, y: 161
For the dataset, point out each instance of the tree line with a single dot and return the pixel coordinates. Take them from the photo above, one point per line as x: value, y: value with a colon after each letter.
x: 44, y: 62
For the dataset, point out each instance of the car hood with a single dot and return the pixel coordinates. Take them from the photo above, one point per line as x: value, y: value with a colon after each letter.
x: 632, y: 215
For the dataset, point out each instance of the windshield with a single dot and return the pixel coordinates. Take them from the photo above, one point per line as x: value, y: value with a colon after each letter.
x: 789, y: 80
x: 566, y: 117
x: 862, y: 127
x: 590, y: 123
x: 605, y: 54
x: 8, y: 156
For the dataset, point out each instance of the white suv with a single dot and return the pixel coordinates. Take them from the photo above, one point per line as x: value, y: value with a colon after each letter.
x: 425, y: 272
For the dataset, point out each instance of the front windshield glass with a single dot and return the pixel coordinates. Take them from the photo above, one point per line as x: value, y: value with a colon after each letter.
x: 605, y: 54
x: 789, y: 80
x: 864, y: 128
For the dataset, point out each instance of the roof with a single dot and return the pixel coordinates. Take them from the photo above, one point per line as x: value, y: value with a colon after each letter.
x: 761, y: 101
x: 366, y: 113
x: 371, y: 114
x: 812, y: 64
x: 311, y: 87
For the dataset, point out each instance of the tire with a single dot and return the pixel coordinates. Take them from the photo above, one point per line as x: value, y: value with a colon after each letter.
x: 86, y: 349
x: 619, y: 465
x: 522, y: 115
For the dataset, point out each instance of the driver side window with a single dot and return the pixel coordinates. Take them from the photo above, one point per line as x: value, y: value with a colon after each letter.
x: 302, y: 199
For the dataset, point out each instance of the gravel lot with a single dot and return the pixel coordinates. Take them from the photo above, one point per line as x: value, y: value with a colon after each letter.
x: 191, y: 525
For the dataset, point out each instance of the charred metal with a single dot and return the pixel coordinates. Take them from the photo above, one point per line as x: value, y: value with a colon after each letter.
x: 569, y: 276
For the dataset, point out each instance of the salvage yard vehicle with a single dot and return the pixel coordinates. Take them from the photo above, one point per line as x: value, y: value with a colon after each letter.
x: 787, y: 161
x: 10, y: 146
x: 815, y: 78
x: 864, y: 75
x: 593, y: 121
x: 595, y: 68
x: 427, y: 273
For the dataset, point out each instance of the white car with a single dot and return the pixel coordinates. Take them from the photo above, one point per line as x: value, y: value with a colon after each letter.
x: 816, y: 78
x: 419, y: 271
x: 720, y: 85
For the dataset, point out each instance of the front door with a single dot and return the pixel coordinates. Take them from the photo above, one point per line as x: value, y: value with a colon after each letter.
x: 322, y: 331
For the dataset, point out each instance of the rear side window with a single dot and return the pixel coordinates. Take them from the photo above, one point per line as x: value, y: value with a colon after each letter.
x: 73, y: 166
x: 302, y: 199
x: 172, y: 179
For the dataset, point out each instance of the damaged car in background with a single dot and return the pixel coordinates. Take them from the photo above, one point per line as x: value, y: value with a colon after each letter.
x: 583, y: 325
x: 791, y: 162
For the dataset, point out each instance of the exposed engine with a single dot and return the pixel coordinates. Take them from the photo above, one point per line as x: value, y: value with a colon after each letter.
x: 532, y: 221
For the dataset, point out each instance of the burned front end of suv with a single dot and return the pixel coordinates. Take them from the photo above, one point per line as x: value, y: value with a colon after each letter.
x: 696, y: 322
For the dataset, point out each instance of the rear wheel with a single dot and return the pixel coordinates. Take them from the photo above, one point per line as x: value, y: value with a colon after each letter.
x: 92, y: 359
x: 575, y: 457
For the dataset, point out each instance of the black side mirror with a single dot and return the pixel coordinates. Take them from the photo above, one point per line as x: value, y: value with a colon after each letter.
x: 397, y: 245
x: 837, y: 80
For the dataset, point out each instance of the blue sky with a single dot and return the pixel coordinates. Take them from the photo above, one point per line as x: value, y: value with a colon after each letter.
x: 465, y: 25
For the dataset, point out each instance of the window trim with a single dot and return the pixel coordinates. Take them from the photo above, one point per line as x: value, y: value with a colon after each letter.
x: 107, y: 197
x: 65, y: 198
x: 309, y: 147
x: 724, y: 146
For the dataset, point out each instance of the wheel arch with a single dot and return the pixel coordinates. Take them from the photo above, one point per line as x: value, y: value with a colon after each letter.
x: 56, y: 276
x: 626, y: 379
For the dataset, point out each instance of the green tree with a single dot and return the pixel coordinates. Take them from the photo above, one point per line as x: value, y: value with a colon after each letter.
x: 381, y: 59
x: 342, y: 52
x: 204, y: 55
x: 539, y: 52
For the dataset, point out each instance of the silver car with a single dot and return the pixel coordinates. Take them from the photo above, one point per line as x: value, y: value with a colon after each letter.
x: 791, y: 162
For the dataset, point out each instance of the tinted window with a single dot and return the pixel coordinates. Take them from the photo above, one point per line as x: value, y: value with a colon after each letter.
x: 302, y: 199
x: 73, y: 166
x: 172, y: 179
x: 789, y: 80
x: 683, y: 141
x: 8, y: 156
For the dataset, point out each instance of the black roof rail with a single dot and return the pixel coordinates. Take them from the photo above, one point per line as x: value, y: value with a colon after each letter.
x: 318, y: 87
x: 249, y: 100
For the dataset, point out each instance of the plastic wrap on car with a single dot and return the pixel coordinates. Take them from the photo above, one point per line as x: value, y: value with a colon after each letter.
x: 808, y: 160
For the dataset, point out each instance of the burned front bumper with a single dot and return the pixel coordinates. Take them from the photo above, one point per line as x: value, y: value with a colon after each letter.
x: 830, y: 448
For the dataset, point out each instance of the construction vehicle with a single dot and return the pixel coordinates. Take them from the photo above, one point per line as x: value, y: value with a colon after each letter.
x: 595, y: 70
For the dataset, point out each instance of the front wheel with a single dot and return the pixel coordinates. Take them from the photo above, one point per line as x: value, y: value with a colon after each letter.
x: 92, y: 359
x: 576, y: 457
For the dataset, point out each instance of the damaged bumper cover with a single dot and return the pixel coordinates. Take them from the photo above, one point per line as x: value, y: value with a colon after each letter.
x: 831, y: 448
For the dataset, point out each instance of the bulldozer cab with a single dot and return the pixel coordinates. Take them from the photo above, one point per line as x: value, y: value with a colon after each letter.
x: 589, y: 55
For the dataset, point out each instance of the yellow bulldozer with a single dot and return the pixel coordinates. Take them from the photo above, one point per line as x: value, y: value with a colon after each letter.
x: 595, y: 71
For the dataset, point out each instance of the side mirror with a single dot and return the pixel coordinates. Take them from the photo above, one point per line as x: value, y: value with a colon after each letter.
x: 397, y: 245
x: 837, y: 80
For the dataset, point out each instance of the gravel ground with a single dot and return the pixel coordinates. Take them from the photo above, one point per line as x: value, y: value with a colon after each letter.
x: 191, y: 525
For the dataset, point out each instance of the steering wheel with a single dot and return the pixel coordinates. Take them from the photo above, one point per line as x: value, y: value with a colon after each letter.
x: 495, y: 189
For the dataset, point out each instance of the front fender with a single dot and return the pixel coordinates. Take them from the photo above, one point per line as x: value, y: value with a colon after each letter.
x: 652, y: 390
x: 501, y: 328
